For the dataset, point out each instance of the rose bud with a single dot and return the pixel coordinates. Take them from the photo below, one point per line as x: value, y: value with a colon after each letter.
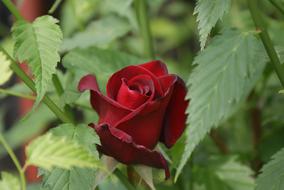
x: 144, y: 105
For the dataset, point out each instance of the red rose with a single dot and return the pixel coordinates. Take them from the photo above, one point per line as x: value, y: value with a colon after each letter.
x: 144, y: 105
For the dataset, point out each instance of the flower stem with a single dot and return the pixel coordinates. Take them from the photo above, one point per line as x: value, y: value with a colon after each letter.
x: 25, y: 78
x: 15, y: 160
x: 265, y: 38
x: 13, y: 9
x: 144, y: 24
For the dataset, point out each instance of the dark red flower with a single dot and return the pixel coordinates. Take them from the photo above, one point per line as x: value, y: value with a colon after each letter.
x: 144, y: 105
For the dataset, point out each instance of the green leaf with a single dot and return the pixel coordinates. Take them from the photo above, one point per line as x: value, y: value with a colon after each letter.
x: 37, y: 44
x: 75, y: 178
x: 49, y: 151
x: 9, y: 182
x: 102, y: 63
x: 224, y: 174
x: 226, y: 72
x: 208, y: 13
x: 5, y: 71
x: 98, y: 33
x: 272, y: 176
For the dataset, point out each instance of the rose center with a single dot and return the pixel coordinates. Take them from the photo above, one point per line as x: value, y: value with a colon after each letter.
x: 136, y: 91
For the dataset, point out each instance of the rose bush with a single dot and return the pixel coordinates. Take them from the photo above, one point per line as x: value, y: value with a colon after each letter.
x: 144, y: 105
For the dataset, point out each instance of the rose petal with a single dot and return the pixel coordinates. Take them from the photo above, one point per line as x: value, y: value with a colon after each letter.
x: 121, y: 146
x: 145, y: 123
x: 128, y: 73
x: 133, y: 98
x: 156, y: 67
x: 175, y: 116
x: 109, y: 111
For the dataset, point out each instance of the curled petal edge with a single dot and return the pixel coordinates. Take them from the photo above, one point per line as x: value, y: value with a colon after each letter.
x: 120, y: 145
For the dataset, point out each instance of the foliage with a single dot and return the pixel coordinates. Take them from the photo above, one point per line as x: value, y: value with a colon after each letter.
x: 74, y: 178
x: 229, y: 75
x: 38, y: 43
x: 9, y: 182
x: 272, y: 173
x: 49, y: 151
x: 4, y: 68
x: 208, y: 13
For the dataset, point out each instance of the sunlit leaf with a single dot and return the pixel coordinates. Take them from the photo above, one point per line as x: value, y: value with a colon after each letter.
x: 9, y: 182
x: 37, y: 44
x: 74, y: 178
x: 5, y: 71
x: 49, y: 151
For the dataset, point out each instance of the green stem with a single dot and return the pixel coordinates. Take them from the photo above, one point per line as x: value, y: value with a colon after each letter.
x: 13, y: 9
x: 46, y: 100
x: 54, y: 6
x: 15, y: 160
x: 60, y: 90
x: 57, y: 84
x: 144, y: 24
x: 281, y: 9
x: 267, y: 42
x: 13, y: 93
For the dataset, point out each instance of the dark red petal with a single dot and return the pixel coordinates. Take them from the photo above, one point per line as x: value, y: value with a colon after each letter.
x: 156, y: 67
x: 175, y: 116
x: 120, y: 145
x: 109, y: 111
x: 128, y: 73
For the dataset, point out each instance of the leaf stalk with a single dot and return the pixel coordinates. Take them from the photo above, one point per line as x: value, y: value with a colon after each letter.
x: 266, y: 40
